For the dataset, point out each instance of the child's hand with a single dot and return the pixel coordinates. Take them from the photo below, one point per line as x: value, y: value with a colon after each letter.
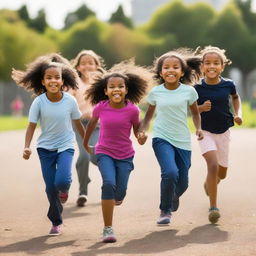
x: 89, y: 149
x: 142, y: 138
x: 238, y: 120
x: 206, y: 106
x: 26, y: 153
x: 199, y: 134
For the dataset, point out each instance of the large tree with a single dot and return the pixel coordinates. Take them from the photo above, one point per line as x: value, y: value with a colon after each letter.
x: 119, y: 17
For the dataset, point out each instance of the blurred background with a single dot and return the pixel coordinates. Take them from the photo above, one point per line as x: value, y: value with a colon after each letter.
x: 118, y: 30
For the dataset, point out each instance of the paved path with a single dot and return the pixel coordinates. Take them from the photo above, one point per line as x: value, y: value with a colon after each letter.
x: 23, y: 206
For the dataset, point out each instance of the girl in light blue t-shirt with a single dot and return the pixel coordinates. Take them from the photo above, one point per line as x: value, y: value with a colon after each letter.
x: 171, y: 137
x: 54, y: 110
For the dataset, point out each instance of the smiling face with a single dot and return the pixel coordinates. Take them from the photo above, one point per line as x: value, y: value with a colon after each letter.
x: 116, y: 91
x: 52, y: 80
x: 86, y: 65
x: 212, y: 67
x: 171, y: 71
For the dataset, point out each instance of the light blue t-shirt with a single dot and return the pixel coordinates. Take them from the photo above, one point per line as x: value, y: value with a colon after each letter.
x: 56, y: 121
x: 171, y: 114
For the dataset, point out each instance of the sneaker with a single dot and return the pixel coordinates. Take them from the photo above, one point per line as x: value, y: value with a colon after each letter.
x: 175, y: 203
x: 108, y: 235
x: 214, y: 215
x: 81, y: 201
x: 63, y: 196
x: 118, y: 202
x: 165, y: 218
x: 55, y: 231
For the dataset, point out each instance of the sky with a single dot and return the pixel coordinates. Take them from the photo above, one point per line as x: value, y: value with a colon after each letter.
x: 56, y: 10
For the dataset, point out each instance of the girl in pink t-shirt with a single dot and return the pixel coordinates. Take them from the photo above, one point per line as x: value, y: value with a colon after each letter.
x: 115, y: 95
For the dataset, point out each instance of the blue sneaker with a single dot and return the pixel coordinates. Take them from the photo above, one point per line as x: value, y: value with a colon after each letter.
x: 165, y: 218
x: 214, y: 215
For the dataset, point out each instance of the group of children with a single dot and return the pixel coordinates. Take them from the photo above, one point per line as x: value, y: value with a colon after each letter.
x: 104, y: 111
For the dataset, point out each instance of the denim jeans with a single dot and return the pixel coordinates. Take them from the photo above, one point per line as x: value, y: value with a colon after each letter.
x: 56, y: 170
x: 84, y: 158
x: 174, y: 163
x: 115, y: 175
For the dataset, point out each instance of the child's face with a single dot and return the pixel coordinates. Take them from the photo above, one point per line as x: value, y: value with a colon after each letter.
x: 116, y: 91
x: 86, y: 64
x: 212, y: 66
x: 52, y: 80
x: 171, y: 70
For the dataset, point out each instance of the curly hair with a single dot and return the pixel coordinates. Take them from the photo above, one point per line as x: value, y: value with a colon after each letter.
x: 31, y: 79
x: 97, y: 59
x: 190, y: 65
x: 213, y: 49
x: 136, y: 78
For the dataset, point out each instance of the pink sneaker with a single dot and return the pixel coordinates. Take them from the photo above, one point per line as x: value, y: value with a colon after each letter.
x: 63, y: 196
x: 55, y: 231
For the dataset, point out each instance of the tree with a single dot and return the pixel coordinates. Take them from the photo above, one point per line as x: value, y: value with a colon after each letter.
x: 39, y: 23
x: 81, y: 13
x: 119, y: 17
x: 23, y: 13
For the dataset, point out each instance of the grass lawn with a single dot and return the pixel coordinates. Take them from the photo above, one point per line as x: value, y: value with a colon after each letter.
x: 8, y: 123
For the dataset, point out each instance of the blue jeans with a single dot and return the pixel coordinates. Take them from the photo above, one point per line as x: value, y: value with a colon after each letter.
x: 115, y: 175
x: 56, y: 170
x: 174, y: 163
x: 84, y: 158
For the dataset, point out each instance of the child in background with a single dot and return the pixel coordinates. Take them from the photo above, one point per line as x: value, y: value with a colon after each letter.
x: 214, y: 92
x: 115, y: 94
x: 86, y: 63
x: 54, y: 109
x: 171, y: 136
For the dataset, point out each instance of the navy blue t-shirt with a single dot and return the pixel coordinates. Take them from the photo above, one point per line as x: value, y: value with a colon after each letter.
x: 219, y: 118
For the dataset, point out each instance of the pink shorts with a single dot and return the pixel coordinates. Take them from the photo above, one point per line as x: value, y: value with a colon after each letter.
x: 218, y: 143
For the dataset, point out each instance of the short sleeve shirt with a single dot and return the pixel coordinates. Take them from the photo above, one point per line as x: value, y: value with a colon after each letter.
x: 219, y: 118
x: 171, y: 114
x: 115, y: 129
x: 55, y: 119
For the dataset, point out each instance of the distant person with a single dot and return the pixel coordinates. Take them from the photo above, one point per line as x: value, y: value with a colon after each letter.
x: 214, y: 93
x: 54, y: 109
x: 17, y: 106
x: 171, y: 136
x: 115, y: 94
x: 87, y: 63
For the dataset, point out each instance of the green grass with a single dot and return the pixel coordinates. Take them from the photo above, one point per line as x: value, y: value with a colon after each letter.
x: 8, y: 123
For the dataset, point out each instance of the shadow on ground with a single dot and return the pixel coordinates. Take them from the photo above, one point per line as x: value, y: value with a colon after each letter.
x: 160, y: 241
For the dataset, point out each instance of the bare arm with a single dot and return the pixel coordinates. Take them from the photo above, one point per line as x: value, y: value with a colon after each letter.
x: 236, y: 102
x: 79, y: 127
x: 196, y: 120
x: 88, y: 132
x: 28, y: 138
x: 144, y: 125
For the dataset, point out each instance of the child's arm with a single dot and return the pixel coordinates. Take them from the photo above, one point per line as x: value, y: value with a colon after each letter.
x: 28, y: 138
x: 79, y: 127
x: 144, y: 125
x: 236, y: 102
x: 205, y: 107
x: 196, y: 120
x: 88, y: 132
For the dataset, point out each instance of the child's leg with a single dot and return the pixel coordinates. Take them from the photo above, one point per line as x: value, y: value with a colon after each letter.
x: 48, y: 160
x: 211, y: 179
x: 63, y: 176
x: 107, y: 169
x: 222, y: 173
x: 124, y: 168
x: 165, y: 154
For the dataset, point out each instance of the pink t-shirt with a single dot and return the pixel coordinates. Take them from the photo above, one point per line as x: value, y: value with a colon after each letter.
x: 115, y: 129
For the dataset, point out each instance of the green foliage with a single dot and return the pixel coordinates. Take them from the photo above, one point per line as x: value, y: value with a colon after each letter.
x: 80, y: 14
x: 23, y: 13
x: 83, y: 35
x: 119, y: 17
x: 8, y: 123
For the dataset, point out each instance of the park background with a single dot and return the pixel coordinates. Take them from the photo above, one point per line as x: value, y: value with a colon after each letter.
x: 152, y: 28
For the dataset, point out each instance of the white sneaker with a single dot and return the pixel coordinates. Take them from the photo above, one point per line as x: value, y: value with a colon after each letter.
x: 108, y: 235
